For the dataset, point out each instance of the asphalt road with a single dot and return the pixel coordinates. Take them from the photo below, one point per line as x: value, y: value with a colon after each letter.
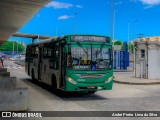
x: 122, y: 98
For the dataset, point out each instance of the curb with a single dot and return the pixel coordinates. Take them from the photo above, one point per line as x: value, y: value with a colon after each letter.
x: 123, y: 71
x: 132, y: 83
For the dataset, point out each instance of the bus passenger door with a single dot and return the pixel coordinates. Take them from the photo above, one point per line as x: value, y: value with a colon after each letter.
x: 62, y: 66
x: 28, y: 57
x: 40, y: 63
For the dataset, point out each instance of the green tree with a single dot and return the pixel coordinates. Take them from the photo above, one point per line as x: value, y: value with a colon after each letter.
x: 8, y: 46
x: 118, y: 42
x: 129, y: 46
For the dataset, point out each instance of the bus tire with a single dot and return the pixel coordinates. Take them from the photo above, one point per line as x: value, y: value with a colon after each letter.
x: 54, y: 83
x: 91, y: 92
x: 33, y: 76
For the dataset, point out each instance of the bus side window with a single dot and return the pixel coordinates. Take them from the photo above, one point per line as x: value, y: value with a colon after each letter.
x: 32, y: 51
x: 36, y: 51
x: 53, y: 53
x: 51, y: 50
x: 57, y: 50
x: 57, y: 55
x: 45, y: 51
x: 27, y: 54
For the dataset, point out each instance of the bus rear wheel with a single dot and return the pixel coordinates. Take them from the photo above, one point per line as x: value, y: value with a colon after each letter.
x: 33, y: 77
x: 54, y: 83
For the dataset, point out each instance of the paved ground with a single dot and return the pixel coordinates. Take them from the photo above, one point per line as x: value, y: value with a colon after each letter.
x: 123, y: 97
x: 128, y: 77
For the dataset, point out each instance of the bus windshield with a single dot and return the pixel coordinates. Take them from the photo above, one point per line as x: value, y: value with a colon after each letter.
x: 89, y: 57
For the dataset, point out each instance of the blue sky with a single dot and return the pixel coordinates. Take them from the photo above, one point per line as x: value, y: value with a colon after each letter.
x: 93, y: 17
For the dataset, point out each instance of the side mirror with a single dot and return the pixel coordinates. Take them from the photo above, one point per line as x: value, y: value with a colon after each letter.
x: 69, y: 61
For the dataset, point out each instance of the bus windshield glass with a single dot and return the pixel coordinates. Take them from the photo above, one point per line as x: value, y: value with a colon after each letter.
x: 89, y: 57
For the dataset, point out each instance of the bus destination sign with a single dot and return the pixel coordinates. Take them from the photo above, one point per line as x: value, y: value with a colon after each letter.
x: 84, y: 38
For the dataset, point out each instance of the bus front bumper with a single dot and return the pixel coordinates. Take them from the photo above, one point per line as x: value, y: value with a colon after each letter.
x: 79, y: 87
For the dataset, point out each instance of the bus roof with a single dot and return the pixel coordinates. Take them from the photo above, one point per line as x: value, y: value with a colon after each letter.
x: 58, y: 38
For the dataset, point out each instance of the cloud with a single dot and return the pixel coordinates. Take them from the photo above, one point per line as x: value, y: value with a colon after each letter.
x: 79, y: 6
x: 147, y: 7
x: 150, y: 2
x: 118, y: 3
x: 59, y: 5
x: 64, y: 17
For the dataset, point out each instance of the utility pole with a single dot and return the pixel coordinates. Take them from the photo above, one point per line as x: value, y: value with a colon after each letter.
x: 140, y: 36
x: 75, y: 22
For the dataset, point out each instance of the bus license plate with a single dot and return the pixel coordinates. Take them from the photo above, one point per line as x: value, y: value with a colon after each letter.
x: 91, y: 87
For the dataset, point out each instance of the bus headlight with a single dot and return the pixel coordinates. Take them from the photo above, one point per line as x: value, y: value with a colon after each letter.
x: 109, y: 79
x: 71, y: 80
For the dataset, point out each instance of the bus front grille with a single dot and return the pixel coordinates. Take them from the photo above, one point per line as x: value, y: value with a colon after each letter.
x: 90, y: 75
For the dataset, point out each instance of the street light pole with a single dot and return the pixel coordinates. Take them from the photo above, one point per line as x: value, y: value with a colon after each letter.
x: 133, y: 39
x: 17, y: 47
x: 112, y: 20
x: 133, y: 29
x: 128, y: 36
x: 112, y: 15
x: 113, y: 23
x: 75, y: 20
x: 13, y: 48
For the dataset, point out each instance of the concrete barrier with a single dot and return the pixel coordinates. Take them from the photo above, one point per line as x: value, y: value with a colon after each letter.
x: 7, y: 82
x: 3, y: 69
x: 4, y: 74
x: 14, y: 99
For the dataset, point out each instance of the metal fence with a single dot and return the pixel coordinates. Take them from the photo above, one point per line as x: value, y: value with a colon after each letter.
x: 121, y: 60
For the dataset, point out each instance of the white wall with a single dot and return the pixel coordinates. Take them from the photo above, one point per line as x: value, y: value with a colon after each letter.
x: 154, y: 64
x: 137, y: 71
x: 140, y: 68
x: 140, y: 63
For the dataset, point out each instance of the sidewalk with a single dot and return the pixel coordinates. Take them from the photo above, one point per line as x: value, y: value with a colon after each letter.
x: 128, y: 78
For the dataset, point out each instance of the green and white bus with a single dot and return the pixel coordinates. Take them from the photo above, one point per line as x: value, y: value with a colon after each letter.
x: 81, y: 63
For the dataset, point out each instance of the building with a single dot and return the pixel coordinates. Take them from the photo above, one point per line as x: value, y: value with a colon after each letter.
x: 117, y: 47
x: 147, y: 58
x: 153, y: 38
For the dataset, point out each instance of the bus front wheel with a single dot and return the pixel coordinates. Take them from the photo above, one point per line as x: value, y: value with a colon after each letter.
x: 91, y: 92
